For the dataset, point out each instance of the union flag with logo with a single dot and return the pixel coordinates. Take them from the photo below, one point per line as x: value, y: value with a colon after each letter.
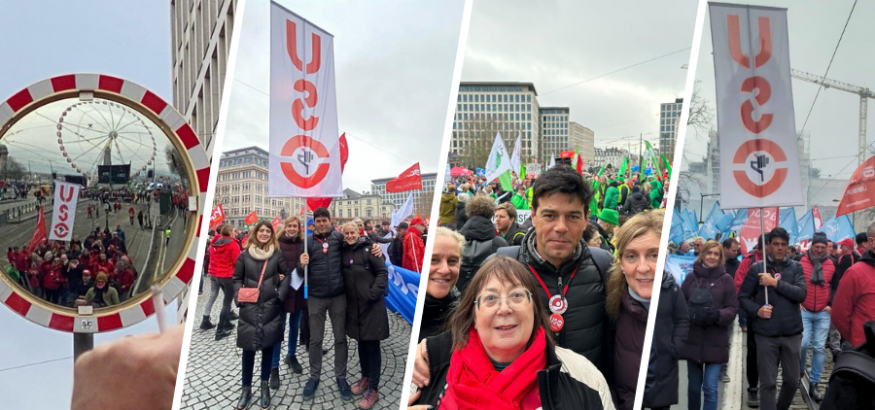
x: 409, y: 180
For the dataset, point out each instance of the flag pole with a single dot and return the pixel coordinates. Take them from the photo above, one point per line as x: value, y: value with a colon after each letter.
x: 765, y: 256
x: 306, y: 268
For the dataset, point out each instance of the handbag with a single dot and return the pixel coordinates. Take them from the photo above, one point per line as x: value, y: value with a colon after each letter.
x: 250, y: 295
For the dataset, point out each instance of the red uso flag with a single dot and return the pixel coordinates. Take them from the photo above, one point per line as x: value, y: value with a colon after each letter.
x: 409, y: 180
x: 757, y: 129
x: 277, y: 224
x: 304, y: 147
x: 860, y: 190
x: 217, y: 216
x: 64, y: 211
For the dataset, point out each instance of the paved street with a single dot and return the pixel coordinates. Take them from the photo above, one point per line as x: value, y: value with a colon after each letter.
x: 213, y: 376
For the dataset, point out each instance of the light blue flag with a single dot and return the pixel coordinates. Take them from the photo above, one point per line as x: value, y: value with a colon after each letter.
x: 679, y: 266
x: 676, y: 234
x: 709, y: 230
x: 739, y: 221
x: 806, y: 232
x: 725, y: 222
x: 839, y: 228
x: 692, y: 224
x: 787, y: 220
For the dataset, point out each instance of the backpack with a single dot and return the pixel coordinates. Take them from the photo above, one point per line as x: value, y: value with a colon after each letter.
x: 852, y: 382
x: 473, y: 256
x: 699, y: 303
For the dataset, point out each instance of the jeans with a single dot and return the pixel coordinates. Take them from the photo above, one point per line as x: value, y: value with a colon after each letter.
x: 703, y: 377
x: 370, y: 358
x: 294, y: 321
x: 214, y: 294
x: 816, y: 324
x: 249, y: 364
x: 227, y: 285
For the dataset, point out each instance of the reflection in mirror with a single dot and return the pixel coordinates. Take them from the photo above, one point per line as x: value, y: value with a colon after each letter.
x: 129, y: 225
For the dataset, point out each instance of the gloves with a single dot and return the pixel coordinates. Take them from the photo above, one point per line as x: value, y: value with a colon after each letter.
x: 712, y: 317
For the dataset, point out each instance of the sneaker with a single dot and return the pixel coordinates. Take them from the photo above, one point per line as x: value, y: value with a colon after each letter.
x: 223, y: 333
x: 360, y: 386
x: 343, y: 387
x: 292, y: 361
x: 724, y: 377
x: 310, y: 389
x: 752, y: 400
x: 369, y: 399
x: 275, y: 378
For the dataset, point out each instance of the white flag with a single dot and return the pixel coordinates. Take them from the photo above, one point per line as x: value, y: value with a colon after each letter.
x: 304, y: 142
x: 552, y: 162
x: 402, y: 213
x: 64, y: 211
x: 499, y: 161
x: 515, y: 158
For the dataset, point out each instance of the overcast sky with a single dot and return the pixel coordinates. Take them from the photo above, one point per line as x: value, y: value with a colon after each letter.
x: 128, y: 39
x: 394, y: 68
x: 814, y: 31
x: 555, y: 44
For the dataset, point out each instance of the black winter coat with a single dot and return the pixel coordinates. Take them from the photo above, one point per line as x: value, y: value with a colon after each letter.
x: 710, y: 344
x: 628, y: 343
x: 396, y: 251
x: 292, y: 248
x: 260, y: 325
x: 585, y: 318
x: 635, y: 203
x: 325, y: 278
x: 515, y: 235
x: 436, y: 312
x: 365, y: 278
x: 786, y: 298
x: 479, y: 235
x: 672, y: 325
x: 461, y: 215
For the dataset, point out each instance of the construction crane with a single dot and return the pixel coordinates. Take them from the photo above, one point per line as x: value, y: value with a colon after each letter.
x: 863, y: 92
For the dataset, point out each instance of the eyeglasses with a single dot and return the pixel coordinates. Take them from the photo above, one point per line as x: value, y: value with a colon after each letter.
x: 490, y: 303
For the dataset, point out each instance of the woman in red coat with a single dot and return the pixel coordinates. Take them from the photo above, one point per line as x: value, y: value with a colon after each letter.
x: 224, y: 252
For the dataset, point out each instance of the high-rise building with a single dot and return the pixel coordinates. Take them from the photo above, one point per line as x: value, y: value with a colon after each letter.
x: 554, y: 132
x: 201, y: 38
x: 583, y: 137
x: 241, y: 188
x: 422, y: 200
x: 483, y: 108
x: 669, y: 118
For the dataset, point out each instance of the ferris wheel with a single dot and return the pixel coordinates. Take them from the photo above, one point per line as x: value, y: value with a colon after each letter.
x: 93, y: 133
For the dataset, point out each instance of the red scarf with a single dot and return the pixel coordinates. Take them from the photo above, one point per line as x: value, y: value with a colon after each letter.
x: 473, y: 382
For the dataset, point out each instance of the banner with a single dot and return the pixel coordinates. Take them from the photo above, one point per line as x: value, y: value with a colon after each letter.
x: 757, y: 141
x: 403, y: 288
x: 751, y: 232
x: 304, y: 144
x: 522, y: 215
x: 409, y: 180
x: 535, y: 169
x: 860, y: 189
x: 679, y: 266
x: 217, y: 216
x: 400, y: 214
x: 64, y: 211
x: 498, y: 164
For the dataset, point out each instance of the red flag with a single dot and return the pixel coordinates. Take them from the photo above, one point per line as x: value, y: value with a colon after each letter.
x: 277, y: 224
x: 313, y: 203
x: 409, y: 180
x: 39, y: 235
x: 251, y: 218
x: 817, y: 221
x: 751, y: 231
x: 579, y: 164
x: 858, y: 193
x: 303, y: 208
x: 217, y: 216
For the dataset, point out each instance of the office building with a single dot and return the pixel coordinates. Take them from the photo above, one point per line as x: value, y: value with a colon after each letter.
x: 584, y: 138
x: 669, y: 123
x: 422, y: 200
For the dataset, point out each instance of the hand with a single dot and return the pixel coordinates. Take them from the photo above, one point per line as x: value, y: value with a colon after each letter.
x: 305, y: 259
x: 767, y: 280
x: 149, y: 363
x: 420, y: 366
x: 765, y: 312
x: 827, y: 309
x: 377, y: 251
x: 413, y: 398
x: 282, y: 277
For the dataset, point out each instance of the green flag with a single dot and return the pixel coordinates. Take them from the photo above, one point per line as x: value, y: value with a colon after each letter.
x: 574, y: 158
x: 602, y: 171
x: 666, y: 165
x: 624, y: 167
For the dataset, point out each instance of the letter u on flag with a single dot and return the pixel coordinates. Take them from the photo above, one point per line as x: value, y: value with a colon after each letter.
x: 409, y: 180
x: 304, y: 148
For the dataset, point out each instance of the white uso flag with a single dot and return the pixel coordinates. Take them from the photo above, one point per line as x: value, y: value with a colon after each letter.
x: 64, y: 211
x: 758, y: 148
x: 402, y: 213
x: 499, y: 161
x: 304, y: 142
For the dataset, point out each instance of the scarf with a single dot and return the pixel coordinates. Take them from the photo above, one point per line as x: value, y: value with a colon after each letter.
x: 474, y: 383
x: 259, y: 254
x: 817, y: 271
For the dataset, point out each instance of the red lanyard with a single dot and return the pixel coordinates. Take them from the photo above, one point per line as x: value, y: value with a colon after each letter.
x: 564, y: 290
x: 323, y: 243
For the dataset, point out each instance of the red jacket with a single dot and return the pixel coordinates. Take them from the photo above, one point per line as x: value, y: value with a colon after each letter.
x: 223, y: 256
x: 414, y: 251
x: 854, y: 302
x: 52, y: 278
x: 817, y: 296
x: 124, y: 280
x: 743, y: 267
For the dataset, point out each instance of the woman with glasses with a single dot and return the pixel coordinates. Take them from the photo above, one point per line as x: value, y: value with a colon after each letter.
x: 365, y: 279
x: 497, y: 354
x: 630, y: 286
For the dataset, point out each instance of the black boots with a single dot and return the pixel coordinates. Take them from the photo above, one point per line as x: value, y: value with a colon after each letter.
x: 245, y: 398
x: 275, y: 378
x: 292, y: 362
x: 265, y: 395
x: 224, y: 329
x: 206, y: 324
x: 814, y: 393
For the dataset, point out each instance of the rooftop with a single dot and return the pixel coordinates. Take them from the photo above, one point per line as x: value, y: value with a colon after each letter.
x: 498, y: 84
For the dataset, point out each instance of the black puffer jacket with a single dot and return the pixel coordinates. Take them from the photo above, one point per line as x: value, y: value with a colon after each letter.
x: 635, y: 203
x: 480, y: 242
x: 672, y: 325
x: 365, y: 278
x: 435, y: 313
x: 260, y: 325
x: 585, y: 318
x: 461, y: 214
x: 325, y: 277
x: 786, y: 298
x: 515, y: 235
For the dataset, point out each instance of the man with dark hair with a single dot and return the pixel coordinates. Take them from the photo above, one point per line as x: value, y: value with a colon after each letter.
x: 326, y: 297
x: 730, y: 251
x: 396, y: 249
x: 481, y: 241
x: 778, y: 323
x: 819, y: 271
x: 862, y: 244
x: 505, y: 223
